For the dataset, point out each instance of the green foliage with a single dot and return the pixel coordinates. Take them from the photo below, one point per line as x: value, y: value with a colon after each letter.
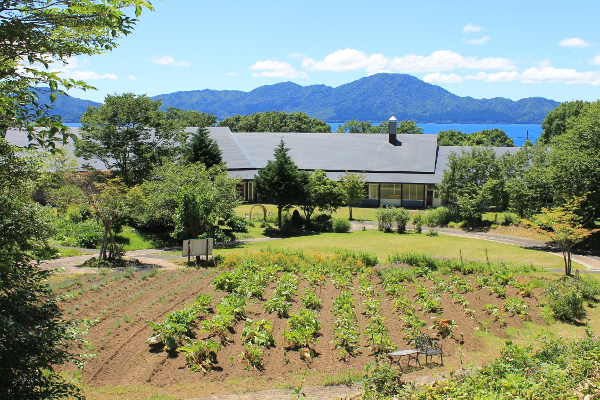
x: 381, y: 381
x: 200, y: 147
x: 128, y: 135
x: 439, y: 216
x: 280, y: 182
x: 310, y: 300
x: 40, y: 37
x: 275, y: 121
x: 279, y: 305
x: 402, y: 217
x: 201, y: 355
x: 385, y: 218
x: 353, y: 189
x: 259, y: 333
x: 555, y: 123
x: 303, y: 329
x: 566, y: 297
x: 341, y: 225
x: 181, y: 187
x: 177, y: 326
x: 554, y: 370
x: 418, y: 220
x: 488, y: 137
x: 356, y: 126
x: 320, y: 193
x: 254, y: 356
x: 474, y: 180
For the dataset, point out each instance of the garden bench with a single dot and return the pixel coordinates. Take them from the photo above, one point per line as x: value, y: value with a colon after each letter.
x: 424, y: 344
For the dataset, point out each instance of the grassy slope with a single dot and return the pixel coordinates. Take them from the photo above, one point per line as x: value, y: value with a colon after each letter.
x: 384, y: 244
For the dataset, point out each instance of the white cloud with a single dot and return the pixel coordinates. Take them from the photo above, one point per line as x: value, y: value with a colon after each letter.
x: 276, y: 69
x: 170, y: 61
x: 472, y: 28
x: 504, y: 76
x: 482, y: 40
x: 445, y: 60
x: 574, y: 42
x: 560, y: 75
x: 443, y: 78
x: 232, y: 74
x: 297, y: 55
x: 133, y: 78
x: 347, y: 60
x: 595, y: 60
x: 82, y: 75
x: 442, y: 60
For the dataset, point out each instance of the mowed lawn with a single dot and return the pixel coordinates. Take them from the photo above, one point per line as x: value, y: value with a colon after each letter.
x: 384, y: 244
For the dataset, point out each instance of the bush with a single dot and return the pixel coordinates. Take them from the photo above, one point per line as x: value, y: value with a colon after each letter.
x: 381, y: 381
x: 418, y: 222
x: 440, y: 216
x: 322, y: 223
x: 566, y: 297
x: 237, y: 224
x: 385, y: 218
x: 402, y: 217
x: 341, y: 225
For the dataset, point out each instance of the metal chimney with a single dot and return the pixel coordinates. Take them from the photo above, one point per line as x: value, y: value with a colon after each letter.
x: 392, y: 131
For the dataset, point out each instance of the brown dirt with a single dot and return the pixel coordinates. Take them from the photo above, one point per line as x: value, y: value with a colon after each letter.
x: 121, y: 308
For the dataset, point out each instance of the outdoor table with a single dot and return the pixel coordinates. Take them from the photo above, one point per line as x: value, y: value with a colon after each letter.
x: 411, y: 354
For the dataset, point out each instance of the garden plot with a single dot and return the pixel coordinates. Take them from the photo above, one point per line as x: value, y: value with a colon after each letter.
x: 273, y: 314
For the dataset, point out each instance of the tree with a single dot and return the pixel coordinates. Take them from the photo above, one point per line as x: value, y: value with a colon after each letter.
x: 36, y: 35
x: 171, y: 186
x: 451, y: 137
x: 33, y: 336
x: 574, y: 158
x: 489, y: 137
x: 474, y: 180
x: 353, y: 189
x: 275, y: 121
x: 555, y: 123
x: 200, y: 147
x: 528, y: 181
x: 322, y: 193
x: 564, y: 226
x: 356, y: 126
x: 189, y: 118
x: 129, y: 135
x: 280, y: 182
x: 408, y: 127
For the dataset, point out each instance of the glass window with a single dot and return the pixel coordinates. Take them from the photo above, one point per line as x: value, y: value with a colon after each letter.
x: 413, y: 192
x: 373, y: 190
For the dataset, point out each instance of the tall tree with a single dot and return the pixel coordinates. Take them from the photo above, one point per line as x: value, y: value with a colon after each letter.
x: 555, y: 123
x: 129, y: 135
x: 275, y: 121
x: 200, y: 147
x: 189, y: 118
x: 47, y: 33
x: 451, y: 137
x: 408, y: 127
x: 280, y: 182
x: 353, y: 189
x: 489, y: 137
x: 474, y: 180
x: 356, y: 126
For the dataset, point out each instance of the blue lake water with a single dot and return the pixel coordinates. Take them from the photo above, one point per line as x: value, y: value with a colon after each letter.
x: 517, y: 132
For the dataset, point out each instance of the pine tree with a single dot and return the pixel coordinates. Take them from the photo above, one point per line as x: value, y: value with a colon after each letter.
x: 202, y: 148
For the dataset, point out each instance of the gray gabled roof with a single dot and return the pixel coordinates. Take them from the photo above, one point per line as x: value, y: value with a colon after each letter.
x: 330, y: 151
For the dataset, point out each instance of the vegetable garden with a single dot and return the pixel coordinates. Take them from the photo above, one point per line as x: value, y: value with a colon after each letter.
x: 273, y: 314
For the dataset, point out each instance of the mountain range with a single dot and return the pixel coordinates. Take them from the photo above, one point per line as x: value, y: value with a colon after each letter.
x: 374, y: 98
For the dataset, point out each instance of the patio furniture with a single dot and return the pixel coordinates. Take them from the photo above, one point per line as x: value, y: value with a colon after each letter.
x: 430, y: 347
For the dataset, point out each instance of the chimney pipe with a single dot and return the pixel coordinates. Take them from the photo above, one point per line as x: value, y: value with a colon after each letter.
x: 392, y: 131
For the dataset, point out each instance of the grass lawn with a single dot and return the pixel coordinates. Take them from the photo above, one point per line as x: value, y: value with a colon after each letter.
x: 359, y: 213
x: 384, y: 244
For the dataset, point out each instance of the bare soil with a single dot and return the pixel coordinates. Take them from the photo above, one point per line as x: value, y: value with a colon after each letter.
x: 118, y: 310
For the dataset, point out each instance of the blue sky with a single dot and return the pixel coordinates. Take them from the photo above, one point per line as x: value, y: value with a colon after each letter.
x: 482, y: 49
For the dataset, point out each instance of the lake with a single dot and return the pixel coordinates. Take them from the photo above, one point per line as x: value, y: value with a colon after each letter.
x: 517, y: 132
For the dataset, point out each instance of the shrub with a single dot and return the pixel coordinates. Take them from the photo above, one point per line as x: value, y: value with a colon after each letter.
x: 440, y: 216
x: 565, y: 299
x: 237, y: 224
x: 258, y: 333
x: 418, y: 222
x: 381, y: 381
x: 322, y: 223
x: 385, y: 218
x: 341, y: 225
x: 402, y: 217
x: 201, y: 355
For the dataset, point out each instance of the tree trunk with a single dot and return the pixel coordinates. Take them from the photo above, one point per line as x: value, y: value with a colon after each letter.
x: 279, y: 208
x: 350, y: 209
x: 102, y: 255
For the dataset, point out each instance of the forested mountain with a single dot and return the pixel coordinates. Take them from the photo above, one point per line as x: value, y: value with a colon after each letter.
x: 374, y: 98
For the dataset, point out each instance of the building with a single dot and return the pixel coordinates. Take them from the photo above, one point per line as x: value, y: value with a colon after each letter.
x: 400, y: 170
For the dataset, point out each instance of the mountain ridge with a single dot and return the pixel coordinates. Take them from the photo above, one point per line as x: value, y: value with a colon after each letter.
x: 373, y: 98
